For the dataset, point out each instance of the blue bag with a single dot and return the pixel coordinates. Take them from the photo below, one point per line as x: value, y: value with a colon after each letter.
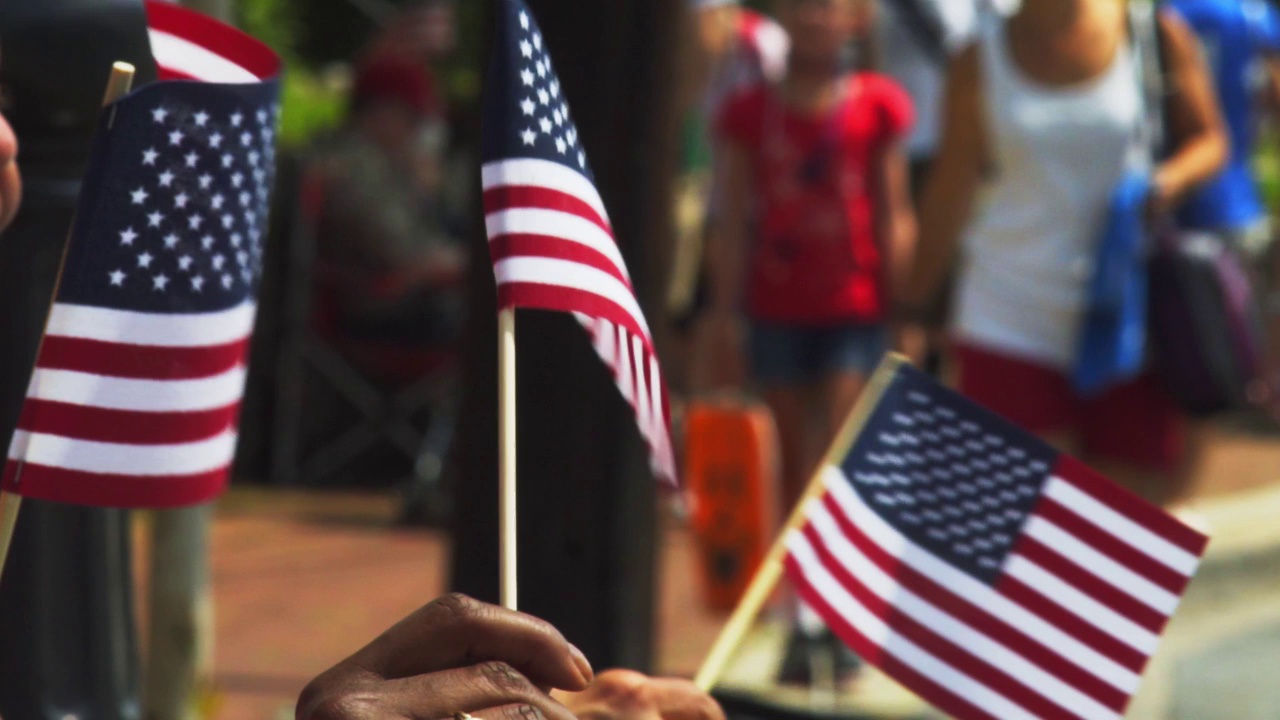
x: 1112, y: 343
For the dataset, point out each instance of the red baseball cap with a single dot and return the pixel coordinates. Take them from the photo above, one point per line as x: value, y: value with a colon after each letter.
x: 388, y: 78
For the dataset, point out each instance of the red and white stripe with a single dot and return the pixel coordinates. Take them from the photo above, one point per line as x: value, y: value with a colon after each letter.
x: 553, y: 248
x: 190, y: 46
x: 132, y: 409
x: 1064, y: 633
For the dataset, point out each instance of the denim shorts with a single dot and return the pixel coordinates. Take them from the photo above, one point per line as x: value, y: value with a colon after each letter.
x: 797, y: 354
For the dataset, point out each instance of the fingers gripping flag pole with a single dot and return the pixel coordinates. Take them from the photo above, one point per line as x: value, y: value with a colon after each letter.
x: 553, y: 248
x: 981, y: 568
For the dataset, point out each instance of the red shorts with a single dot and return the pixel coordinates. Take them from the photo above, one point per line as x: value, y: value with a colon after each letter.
x: 1138, y: 423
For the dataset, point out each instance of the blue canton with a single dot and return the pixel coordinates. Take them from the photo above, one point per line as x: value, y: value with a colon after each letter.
x: 948, y: 474
x: 526, y: 114
x: 175, y: 200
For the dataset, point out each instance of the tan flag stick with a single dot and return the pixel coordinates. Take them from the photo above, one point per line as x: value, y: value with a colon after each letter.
x: 118, y: 84
x: 766, y: 578
x: 507, y: 455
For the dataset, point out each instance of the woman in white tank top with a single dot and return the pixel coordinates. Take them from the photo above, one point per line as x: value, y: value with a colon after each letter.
x: 1041, y: 120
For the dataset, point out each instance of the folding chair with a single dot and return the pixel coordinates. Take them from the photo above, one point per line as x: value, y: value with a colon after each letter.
x: 389, y: 387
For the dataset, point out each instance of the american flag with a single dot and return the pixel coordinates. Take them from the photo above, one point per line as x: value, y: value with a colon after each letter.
x: 135, y: 396
x: 985, y: 571
x: 549, y: 234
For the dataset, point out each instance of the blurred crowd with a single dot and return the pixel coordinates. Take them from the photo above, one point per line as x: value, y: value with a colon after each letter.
x: 975, y: 183
x: 978, y: 184
x: 944, y: 178
x: 857, y: 176
x: 863, y: 175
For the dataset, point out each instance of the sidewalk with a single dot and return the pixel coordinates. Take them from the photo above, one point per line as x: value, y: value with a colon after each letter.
x: 302, y: 579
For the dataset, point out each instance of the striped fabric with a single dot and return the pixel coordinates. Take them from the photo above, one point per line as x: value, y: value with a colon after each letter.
x: 135, y: 398
x: 549, y: 234
x: 983, y: 570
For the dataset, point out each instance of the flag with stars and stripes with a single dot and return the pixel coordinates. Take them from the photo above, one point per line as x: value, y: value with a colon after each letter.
x: 549, y: 233
x: 135, y: 395
x: 984, y: 570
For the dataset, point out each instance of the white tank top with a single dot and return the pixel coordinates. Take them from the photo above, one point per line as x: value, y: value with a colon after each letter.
x: 1058, y: 152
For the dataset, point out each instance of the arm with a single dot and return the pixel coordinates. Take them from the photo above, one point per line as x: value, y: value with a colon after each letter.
x: 1200, y: 146
x: 953, y: 182
x: 1272, y: 90
x: 729, y: 245
x: 897, y: 217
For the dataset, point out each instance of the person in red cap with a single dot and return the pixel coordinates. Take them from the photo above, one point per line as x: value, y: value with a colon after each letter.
x: 425, y: 30
x: 382, y: 227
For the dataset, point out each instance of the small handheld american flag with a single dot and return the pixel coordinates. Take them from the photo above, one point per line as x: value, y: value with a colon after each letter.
x: 990, y: 574
x: 135, y: 396
x: 549, y: 234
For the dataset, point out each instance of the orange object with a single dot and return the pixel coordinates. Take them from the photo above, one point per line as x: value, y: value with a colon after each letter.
x: 731, y: 469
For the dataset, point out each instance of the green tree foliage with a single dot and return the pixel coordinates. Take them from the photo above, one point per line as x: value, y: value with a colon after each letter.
x: 310, y: 104
x: 316, y: 35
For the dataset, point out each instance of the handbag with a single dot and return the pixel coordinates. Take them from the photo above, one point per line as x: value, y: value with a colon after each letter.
x: 1113, y: 337
x: 731, y: 468
x: 1204, y: 328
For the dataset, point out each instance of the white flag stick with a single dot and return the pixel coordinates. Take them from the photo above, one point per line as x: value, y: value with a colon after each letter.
x: 507, y: 454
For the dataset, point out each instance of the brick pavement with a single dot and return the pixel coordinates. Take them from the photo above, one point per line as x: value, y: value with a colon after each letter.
x: 300, y: 580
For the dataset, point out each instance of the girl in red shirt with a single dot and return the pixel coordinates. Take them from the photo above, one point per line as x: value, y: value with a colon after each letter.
x: 816, y: 228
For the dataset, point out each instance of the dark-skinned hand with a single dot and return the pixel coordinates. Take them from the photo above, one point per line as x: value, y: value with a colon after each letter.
x: 454, y: 655
x: 461, y: 655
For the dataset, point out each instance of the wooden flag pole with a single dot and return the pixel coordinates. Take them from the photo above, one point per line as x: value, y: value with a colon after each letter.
x: 9, y: 506
x: 507, y: 454
x: 771, y: 569
x: 118, y: 85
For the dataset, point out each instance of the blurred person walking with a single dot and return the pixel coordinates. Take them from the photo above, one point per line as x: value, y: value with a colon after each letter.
x: 916, y: 41
x: 1042, y: 119
x: 1241, y: 39
x: 730, y: 48
x: 814, y: 233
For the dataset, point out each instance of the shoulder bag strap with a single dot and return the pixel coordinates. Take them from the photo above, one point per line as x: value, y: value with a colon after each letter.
x: 1148, y: 53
